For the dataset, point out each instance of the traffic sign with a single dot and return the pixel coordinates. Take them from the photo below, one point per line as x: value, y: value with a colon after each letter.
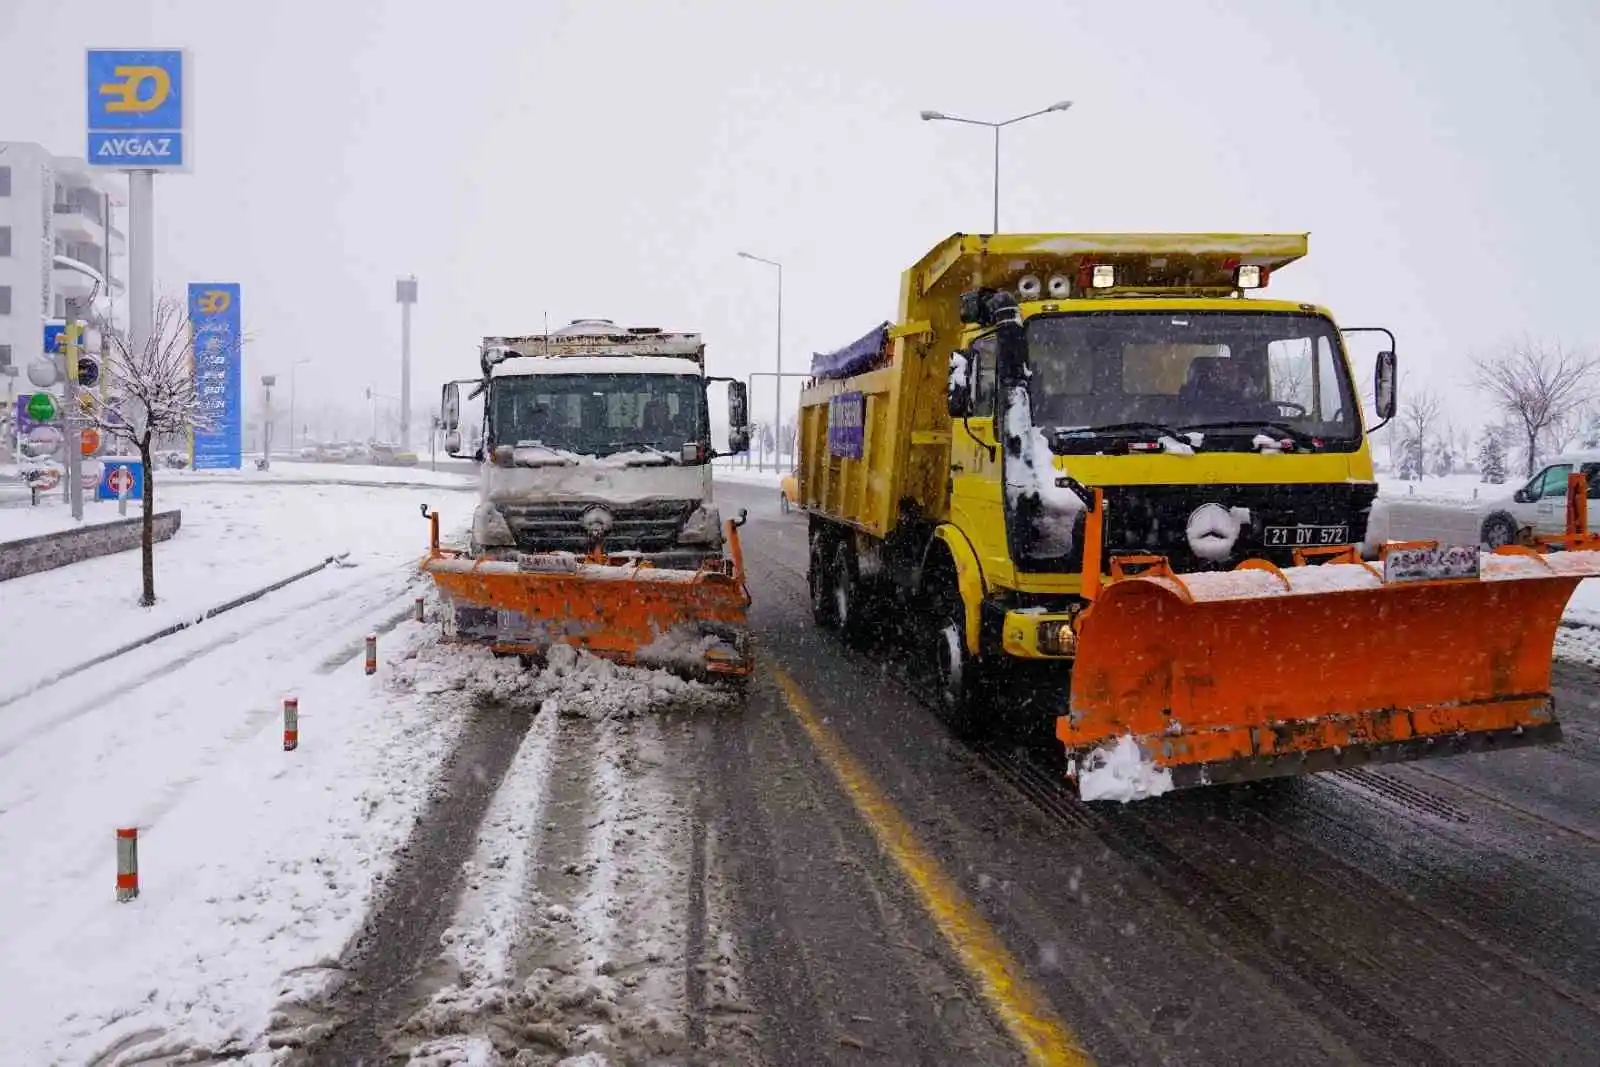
x: 41, y: 407
x: 89, y: 440
x: 138, y: 108
x: 119, y: 473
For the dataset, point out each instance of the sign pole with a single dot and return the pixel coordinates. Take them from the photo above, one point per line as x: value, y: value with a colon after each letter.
x: 141, y: 258
x: 69, y: 418
x: 405, y: 292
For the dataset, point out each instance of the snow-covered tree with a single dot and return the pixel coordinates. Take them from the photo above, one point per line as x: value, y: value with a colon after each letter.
x: 1418, y: 418
x: 1410, y: 465
x: 157, y: 397
x: 1442, y: 457
x: 1539, y: 386
x: 1492, y: 455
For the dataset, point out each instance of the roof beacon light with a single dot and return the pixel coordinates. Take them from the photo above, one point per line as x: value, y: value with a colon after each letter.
x: 1250, y: 276
x: 1029, y: 287
x: 1059, y: 287
x: 1104, y: 276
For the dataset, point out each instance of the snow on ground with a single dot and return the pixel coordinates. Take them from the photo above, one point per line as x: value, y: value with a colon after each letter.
x: 29, y: 520
x: 734, y: 470
x: 601, y: 939
x: 1121, y: 772
x: 255, y: 862
x: 234, y: 539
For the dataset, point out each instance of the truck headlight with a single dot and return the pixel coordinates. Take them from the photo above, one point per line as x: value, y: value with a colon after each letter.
x: 490, y: 529
x: 703, y: 527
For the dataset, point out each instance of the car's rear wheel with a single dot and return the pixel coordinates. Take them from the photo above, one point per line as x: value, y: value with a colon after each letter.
x: 1499, y: 529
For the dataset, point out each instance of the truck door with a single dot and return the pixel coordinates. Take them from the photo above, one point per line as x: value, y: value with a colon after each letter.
x: 1549, y: 492
x: 977, y: 504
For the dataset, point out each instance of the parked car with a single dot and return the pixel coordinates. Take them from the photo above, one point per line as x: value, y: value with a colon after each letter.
x: 1541, y: 501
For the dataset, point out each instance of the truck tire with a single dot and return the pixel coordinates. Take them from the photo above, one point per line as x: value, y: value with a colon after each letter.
x: 1500, y: 528
x: 817, y: 578
x: 849, y: 597
x: 956, y: 683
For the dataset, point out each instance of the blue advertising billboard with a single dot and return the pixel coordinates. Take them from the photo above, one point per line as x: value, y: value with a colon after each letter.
x: 218, y: 374
x: 138, y: 108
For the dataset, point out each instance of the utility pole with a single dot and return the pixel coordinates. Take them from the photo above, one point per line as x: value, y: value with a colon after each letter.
x: 777, y: 385
x: 69, y: 418
x: 405, y: 291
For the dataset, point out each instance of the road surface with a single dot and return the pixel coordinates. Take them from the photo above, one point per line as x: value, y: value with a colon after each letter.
x: 830, y: 877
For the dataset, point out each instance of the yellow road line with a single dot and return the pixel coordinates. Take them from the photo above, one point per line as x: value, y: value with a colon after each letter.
x: 1022, y: 1009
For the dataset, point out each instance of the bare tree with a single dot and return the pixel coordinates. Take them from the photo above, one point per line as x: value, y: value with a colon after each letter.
x: 1539, y: 386
x: 1417, y: 419
x: 159, y: 398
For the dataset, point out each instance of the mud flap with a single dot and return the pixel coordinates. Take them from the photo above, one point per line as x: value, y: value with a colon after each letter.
x: 1260, y: 671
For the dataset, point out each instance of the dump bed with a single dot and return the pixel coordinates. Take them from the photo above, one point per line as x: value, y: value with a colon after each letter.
x: 875, y: 429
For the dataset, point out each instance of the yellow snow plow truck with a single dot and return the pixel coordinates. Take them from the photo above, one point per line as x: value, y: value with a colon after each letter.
x: 1106, y: 458
x: 595, y: 525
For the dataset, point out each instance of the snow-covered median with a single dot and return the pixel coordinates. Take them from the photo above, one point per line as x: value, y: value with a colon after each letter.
x: 257, y: 865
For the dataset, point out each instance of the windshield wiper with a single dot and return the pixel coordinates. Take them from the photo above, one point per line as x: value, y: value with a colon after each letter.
x: 1299, y: 437
x: 670, y: 457
x: 1159, y: 429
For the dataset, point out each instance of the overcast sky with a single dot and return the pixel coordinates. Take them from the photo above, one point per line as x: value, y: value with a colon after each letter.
x: 610, y: 159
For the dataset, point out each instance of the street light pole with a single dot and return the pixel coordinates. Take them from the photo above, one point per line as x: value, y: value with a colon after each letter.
x: 939, y: 116
x: 777, y: 386
x: 73, y: 343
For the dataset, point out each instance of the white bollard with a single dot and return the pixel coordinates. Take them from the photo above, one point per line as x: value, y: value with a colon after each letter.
x: 127, y: 863
x: 291, y: 723
x: 122, y: 499
x: 372, y: 653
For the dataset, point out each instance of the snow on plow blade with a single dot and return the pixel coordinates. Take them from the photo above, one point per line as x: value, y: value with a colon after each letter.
x: 1259, y: 672
x: 693, y: 623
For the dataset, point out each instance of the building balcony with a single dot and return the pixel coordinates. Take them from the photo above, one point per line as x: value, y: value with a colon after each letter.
x: 70, y: 221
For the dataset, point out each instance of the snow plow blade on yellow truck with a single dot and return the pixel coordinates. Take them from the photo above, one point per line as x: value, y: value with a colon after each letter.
x: 1260, y: 671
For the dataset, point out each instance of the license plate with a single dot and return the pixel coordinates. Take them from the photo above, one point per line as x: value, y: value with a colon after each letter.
x: 1306, y: 536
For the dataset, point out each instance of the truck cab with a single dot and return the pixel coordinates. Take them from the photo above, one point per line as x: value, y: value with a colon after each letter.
x: 596, y: 437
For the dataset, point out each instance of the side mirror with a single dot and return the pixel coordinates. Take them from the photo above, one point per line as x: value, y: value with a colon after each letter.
x: 958, y: 388
x: 738, y: 417
x: 1383, y: 381
x: 450, y: 406
x: 452, y: 442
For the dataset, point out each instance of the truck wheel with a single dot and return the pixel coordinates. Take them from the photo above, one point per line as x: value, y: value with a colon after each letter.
x: 1499, y: 529
x: 848, y: 600
x: 817, y: 578
x: 955, y: 670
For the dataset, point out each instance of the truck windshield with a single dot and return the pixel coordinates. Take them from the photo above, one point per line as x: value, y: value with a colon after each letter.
x: 1228, y: 371
x: 599, y: 414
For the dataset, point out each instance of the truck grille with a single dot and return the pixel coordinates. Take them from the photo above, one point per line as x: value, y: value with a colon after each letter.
x: 1154, y: 519
x: 641, y: 526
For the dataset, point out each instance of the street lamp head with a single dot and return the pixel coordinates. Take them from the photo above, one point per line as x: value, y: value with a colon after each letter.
x: 1060, y: 106
x: 928, y: 116
x: 746, y: 255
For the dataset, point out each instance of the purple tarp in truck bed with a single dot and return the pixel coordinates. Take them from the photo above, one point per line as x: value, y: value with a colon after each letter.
x: 853, y: 358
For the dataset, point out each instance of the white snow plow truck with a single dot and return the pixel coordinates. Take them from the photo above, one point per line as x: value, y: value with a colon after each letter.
x: 595, y: 525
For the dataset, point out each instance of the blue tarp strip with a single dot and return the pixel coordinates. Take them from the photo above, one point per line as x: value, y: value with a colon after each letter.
x: 852, y: 358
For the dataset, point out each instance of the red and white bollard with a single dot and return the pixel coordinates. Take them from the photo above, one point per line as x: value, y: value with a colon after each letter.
x: 291, y: 723
x: 372, y: 653
x: 127, y: 863
x: 419, y: 616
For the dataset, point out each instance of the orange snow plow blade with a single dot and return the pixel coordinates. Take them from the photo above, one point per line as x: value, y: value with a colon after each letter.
x: 1260, y: 672
x: 693, y: 623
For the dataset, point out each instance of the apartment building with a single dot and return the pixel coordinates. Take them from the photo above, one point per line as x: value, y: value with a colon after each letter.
x: 52, y: 206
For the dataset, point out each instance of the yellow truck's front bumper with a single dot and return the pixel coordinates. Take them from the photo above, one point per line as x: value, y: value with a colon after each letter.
x: 1038, y: 635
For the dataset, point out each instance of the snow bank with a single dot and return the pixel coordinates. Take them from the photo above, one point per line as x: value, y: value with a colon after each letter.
x: 575, y: 683
x: 736, y: 472
x: 1121, y: 772
x: 258, y: 866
